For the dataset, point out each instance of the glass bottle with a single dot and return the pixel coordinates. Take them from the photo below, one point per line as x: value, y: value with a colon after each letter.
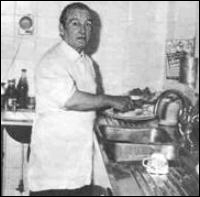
x: 22, y: 89
x: 3, y: 92
x: 11, y: 96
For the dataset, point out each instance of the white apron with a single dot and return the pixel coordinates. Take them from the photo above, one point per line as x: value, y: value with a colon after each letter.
x: 62, y: 141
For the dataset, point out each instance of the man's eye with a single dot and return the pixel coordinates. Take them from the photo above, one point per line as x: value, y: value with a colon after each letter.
x: 75, y: 23
x: 89, y: 24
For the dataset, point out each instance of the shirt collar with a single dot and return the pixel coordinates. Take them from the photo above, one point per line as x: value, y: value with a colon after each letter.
x: 71, y: 53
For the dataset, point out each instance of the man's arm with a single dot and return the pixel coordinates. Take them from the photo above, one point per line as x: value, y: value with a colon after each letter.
x: 82, y: 101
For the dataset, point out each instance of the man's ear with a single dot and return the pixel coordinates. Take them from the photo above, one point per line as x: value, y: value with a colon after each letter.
x: 62, y: 30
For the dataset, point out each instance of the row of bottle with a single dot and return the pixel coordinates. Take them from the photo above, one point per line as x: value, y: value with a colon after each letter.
x: 15, y: 96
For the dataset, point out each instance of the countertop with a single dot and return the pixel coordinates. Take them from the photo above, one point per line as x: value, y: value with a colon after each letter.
x: 18, y: 118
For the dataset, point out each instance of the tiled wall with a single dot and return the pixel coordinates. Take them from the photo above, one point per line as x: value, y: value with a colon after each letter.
x: 131, y: 51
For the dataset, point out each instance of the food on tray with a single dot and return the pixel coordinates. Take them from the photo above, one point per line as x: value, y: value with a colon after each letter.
x: 144, y: 94
x: 143, y: 113
x: 144, y: 102
x: 135, y: 113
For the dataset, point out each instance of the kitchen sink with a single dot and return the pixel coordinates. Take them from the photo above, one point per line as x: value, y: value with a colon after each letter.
x: 131, y: 144
x: 18, y: 124
x: 132, y: 135
x: 129, y: 152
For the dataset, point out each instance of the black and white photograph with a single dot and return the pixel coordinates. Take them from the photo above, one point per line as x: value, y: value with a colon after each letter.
x: 99, y: 98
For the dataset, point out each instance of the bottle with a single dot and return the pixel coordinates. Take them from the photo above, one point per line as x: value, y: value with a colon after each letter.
x: 22, y: 89
x: 3, y: 92
x: 11, y: 96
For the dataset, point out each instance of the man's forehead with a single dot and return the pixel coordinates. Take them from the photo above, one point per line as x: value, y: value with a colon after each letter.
x: 79, y: 14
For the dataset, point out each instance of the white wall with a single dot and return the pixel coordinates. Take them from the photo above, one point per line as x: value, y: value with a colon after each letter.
x: 131, y: 52
x: 182, y: 19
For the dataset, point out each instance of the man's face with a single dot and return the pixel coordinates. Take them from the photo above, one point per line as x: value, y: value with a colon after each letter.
x: 77, y: 30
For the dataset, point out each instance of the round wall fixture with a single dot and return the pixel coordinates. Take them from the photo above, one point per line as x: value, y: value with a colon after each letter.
x: 26, y: 22
x: 26, y: 25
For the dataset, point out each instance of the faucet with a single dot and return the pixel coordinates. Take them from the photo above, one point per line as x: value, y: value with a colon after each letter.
x: 173, y: 96
x: 186, y: 115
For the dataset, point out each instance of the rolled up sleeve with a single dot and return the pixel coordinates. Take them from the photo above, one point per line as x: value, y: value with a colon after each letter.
x: 54, y: 85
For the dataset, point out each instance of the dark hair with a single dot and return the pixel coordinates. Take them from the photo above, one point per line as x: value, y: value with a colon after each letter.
x: 68, y: 8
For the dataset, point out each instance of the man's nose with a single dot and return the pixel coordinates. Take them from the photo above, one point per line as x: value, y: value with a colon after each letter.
x: 82, y: 29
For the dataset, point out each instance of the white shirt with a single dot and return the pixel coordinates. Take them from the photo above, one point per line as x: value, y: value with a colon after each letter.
x: 62, y: 141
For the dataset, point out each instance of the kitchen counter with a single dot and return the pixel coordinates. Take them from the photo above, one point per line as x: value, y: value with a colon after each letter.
x: 18, y: 118
x: 131, y: 179
x: 5, y: 123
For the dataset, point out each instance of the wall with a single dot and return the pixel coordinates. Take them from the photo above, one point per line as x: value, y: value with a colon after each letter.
x: 183, y: 23
x: 131, y: 52
x: 182, y: 19
x: 27, y: 49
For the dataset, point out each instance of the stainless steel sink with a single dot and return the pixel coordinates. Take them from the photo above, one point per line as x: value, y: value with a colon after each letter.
x: 127, y: 152
x: 130, y: 144
x: 132, y: 135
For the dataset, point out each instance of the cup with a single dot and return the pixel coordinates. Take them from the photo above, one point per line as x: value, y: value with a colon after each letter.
x: 157, y: 164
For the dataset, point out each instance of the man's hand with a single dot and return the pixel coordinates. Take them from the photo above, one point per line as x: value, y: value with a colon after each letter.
x: 82, y: 101
x: 122, y: 104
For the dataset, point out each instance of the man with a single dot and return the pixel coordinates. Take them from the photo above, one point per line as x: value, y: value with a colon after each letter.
x: 62, y: 139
